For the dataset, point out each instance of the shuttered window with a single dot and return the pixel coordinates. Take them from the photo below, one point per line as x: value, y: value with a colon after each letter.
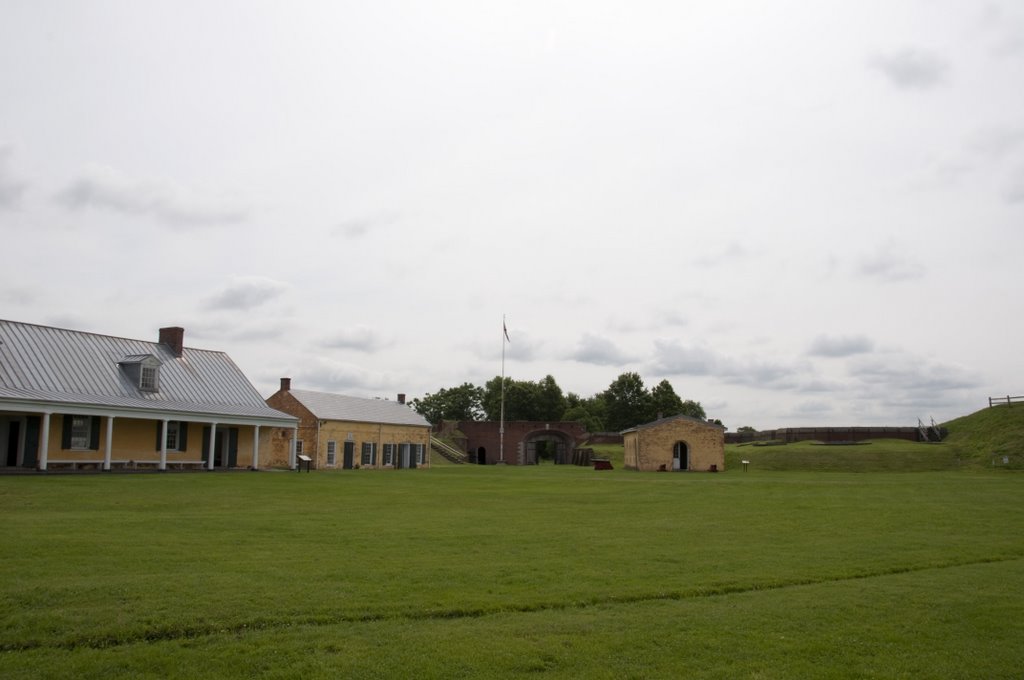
x: 369, y: 453
x: 80, y: 432
x: 177, y: 435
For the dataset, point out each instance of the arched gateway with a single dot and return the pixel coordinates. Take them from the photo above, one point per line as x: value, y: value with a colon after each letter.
x: 525, y: 442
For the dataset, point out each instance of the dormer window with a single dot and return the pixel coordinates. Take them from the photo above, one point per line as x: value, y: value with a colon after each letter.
x: 143, y: 370
x: 147, y: 381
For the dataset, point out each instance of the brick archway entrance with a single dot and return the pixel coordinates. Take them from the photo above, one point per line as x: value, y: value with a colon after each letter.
x: 547, y: 446
x: 523, y: 441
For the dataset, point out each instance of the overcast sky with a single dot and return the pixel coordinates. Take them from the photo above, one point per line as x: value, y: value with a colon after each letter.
x: 799, y: 213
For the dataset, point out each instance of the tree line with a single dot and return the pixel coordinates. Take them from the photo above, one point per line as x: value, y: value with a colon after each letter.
x: 624, y: 404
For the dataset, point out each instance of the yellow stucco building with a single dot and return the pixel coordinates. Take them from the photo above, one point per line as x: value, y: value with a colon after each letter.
x: 677, y: 443
x: 72, y: 399
x: 343, y: 432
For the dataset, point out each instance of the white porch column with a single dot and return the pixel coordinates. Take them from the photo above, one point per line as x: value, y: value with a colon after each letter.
x: 44, y: 442
x: 163, y: 446
x: 213, y: 448
x: 291, y: 447
x: 256, y: 447
x: 109, y: 443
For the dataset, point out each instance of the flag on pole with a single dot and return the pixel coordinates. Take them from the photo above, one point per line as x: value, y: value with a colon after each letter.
x: 505, y: 329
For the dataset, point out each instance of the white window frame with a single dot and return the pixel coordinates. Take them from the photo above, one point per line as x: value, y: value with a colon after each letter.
x: 173, y: 435
x: 419, y: 453
x: 147, y: 378
x: 332, y: 453
x: 389, y: 454
x: 298, y: 447
x: 81, y: 432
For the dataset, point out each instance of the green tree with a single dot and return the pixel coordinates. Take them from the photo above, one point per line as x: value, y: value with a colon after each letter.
x: 591, y: 411
x: 551, y: 402
x: 522, y: 399
x: 628, y: 402
x: 664, y: 401
x: 693, y: 409
x: 452, y: 403
x: 597, y: 407
x: 491, y: 401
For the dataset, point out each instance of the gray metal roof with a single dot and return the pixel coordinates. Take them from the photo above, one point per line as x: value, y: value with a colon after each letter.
x: 135, y: 358
x: 327, y: 406
x: 655, y: 423
x: 45, y: 364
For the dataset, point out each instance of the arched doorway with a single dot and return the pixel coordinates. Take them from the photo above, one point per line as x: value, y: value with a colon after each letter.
x: 547, y: 446
x: 481, y: 456
x: 680, y: 456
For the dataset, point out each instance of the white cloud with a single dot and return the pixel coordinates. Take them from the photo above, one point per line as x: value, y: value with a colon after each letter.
x: 674, y: 358
x: 998, y: 141
x: 11, y: 187
x: 593, y: 349
x: 324, y: 374
x: 1014, y: 191
x: 900, y: 373
x: 726, y: 256
x: 840, y: 346
x: 892, y: 263
x: 1005, y: 24
x: 814, y: 408
x: 912, y: 69
x: 362, y: 226
x: 107, y: 189
x: 359, y: 338
x: 246, y: 293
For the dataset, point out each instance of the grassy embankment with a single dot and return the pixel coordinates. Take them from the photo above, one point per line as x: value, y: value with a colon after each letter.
x: 977, y: 441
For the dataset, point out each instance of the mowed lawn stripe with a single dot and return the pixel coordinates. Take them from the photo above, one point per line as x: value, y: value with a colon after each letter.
x: 961, y: 622
x: 156, y: 635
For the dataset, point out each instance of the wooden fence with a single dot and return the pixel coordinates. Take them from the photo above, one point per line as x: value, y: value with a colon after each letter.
x: 999, y: 401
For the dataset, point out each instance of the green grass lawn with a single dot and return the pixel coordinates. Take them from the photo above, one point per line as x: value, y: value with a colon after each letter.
x: 469, y: 571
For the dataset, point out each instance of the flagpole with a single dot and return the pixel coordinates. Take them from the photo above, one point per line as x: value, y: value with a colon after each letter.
x: 501, y: 424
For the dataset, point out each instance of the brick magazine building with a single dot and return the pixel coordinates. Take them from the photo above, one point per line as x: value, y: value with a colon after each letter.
x: 676, y: 443
x: 339, y: 431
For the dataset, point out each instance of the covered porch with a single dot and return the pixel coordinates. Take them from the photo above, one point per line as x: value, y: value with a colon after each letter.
x: 51, y: 436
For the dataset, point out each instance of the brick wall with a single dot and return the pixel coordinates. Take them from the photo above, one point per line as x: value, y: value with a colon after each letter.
x: 485, y: 435
x: 281, y: 439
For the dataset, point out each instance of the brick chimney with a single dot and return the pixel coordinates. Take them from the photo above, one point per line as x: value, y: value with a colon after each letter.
x: 173, y: 337
x: 286, y: 384
x: 401, y: 398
